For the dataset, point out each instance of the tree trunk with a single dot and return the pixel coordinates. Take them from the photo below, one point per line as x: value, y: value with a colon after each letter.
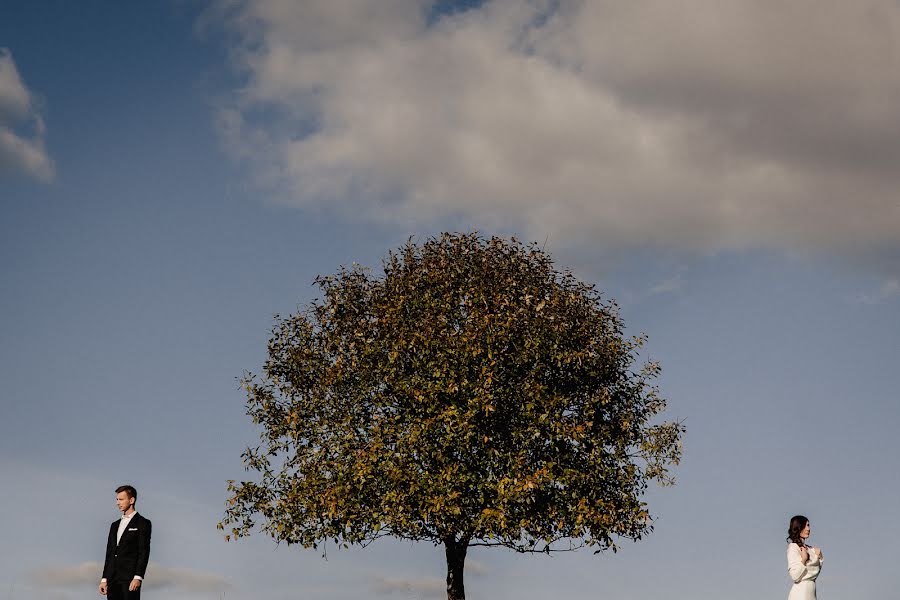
x: 456, y: 563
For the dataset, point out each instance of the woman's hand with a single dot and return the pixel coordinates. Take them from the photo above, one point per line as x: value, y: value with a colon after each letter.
x: 804, y: 555
x: 818, y: 552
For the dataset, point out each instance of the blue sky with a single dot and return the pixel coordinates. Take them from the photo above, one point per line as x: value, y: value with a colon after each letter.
x: 173, y: 174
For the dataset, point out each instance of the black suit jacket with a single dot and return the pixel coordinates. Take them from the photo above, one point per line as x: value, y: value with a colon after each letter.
x: 129, y: 557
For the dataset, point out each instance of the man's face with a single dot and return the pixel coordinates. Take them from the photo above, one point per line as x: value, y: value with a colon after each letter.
x: 124, y: 502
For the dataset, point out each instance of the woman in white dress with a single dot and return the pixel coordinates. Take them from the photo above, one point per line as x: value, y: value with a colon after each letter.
x: 804, y: 562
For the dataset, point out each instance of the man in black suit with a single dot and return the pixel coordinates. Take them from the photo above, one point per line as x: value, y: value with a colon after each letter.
x: 127, y: 550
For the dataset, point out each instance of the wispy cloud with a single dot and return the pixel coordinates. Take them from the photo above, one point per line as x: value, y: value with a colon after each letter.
x: 67, y: 576
x: 423, y: 587
x: 702, y: 126
x: 22, y: 128
x: 158, y: 576
x: 15, y: 592
x: 426, y: 587
x: 474, y: 567
x: 888, y: 290
x: 670, y: 285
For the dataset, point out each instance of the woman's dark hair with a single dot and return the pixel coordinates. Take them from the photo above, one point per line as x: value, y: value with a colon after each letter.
x: 798, y: 522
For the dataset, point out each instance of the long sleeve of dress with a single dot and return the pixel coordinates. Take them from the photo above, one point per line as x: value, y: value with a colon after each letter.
x: 796, y: 568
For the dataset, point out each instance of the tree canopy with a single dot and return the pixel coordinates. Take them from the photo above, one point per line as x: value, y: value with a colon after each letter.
x: 471, y: 394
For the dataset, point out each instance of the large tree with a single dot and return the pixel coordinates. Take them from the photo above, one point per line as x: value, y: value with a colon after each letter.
x: 470, y: 395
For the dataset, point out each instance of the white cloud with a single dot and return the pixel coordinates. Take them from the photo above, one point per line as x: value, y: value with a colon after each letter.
x: 698, y: 125
x: 474, y: 567
x: 671, y: 285
x: 158, y: 576
x: 430, y: 587
x: 20, y: 151
x: 189, y: 580
x: 68, y: 576
x: 422, y: 587
x: 888, y: 290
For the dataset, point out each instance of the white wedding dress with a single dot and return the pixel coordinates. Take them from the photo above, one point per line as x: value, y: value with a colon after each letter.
x: 804, y: 576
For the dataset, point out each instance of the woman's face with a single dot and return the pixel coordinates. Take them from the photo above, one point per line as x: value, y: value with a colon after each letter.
x: 804, y: 533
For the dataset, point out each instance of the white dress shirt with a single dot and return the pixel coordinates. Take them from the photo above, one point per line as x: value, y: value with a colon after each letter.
x: 123, y: 523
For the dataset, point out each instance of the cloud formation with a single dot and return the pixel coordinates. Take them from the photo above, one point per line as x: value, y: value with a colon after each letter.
x: 88, y: 573
x: 21, y: 126
x: 698, y: 125
x: 888, y: 290
x: 426, y: 587
x: 422, y: 587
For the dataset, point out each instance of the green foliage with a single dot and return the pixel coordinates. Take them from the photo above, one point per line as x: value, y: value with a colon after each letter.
x: 470, y: 395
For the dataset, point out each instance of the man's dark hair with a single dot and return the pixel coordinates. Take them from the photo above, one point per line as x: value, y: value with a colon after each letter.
x: 128, y: 489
